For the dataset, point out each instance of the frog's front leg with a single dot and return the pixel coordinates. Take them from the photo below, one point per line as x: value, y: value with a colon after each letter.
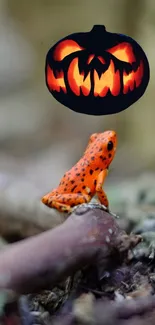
x: 99, y: 191
x: 65, y: 202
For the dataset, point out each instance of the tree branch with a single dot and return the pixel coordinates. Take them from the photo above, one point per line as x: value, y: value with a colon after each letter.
x: 88, y: 236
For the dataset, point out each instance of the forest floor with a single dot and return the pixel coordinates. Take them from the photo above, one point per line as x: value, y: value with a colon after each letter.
x: 121, y: 291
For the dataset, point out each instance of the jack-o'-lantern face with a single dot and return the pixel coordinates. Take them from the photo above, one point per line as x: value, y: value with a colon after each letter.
x: 97, y: 73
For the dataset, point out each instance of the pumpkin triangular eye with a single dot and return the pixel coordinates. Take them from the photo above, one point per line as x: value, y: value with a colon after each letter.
x: 123, y: 52
x: 65, y: 48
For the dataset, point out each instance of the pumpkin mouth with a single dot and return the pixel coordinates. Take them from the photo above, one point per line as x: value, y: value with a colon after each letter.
x: 111, y: 79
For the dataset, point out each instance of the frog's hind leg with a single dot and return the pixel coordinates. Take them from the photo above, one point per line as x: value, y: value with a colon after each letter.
x: 46, y: 197
x: 60, y: 206
x: 65, y: 202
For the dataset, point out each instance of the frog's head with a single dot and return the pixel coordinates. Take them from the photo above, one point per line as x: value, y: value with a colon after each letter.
x: 103, y: 147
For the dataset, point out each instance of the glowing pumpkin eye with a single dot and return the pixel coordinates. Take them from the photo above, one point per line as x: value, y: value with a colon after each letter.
x: 65, y: 48
x: 123, y: 52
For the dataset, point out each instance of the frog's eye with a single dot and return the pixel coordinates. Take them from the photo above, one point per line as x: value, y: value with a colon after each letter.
x: 110, y: 146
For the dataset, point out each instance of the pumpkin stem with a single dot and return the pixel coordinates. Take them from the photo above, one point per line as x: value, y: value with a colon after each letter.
x: 98, y: 29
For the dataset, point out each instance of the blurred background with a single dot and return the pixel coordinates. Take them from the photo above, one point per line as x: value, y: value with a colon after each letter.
x: 39, y: 138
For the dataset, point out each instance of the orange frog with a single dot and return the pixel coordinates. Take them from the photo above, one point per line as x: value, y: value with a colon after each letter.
x: 86, y: 178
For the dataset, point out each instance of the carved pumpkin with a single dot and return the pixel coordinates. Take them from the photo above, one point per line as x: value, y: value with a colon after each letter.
x: 98, y: 72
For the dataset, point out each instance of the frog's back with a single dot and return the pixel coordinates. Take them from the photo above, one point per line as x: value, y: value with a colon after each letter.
x: 96, y: 158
